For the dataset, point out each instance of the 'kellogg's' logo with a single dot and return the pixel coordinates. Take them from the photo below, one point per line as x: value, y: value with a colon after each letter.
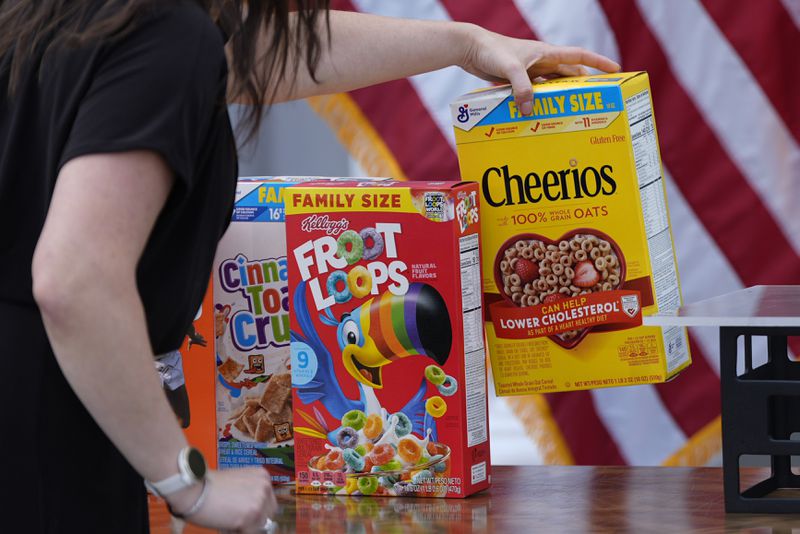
x: 316, y: 223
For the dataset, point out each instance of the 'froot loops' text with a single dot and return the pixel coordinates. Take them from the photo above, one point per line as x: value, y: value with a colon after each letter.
x: 328, y: 264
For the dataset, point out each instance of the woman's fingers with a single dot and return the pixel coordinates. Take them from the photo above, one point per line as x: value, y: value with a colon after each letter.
x: 521, y: 87
x: 575, y: 55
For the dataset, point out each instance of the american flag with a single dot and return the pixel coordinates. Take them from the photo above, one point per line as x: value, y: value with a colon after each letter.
x: 725, y: 85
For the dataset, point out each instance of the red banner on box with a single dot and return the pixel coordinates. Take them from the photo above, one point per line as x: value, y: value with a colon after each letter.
x: 614, y: 310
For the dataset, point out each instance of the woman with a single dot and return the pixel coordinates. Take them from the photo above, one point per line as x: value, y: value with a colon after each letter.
x: 117, y: 172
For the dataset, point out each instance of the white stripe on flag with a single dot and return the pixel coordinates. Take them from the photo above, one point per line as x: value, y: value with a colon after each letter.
x: 436, y: 89
x: 793, y: 7
x: 583, y: 23
x: 733, y: 105
x: 640, y: 425
x: 704, y: 272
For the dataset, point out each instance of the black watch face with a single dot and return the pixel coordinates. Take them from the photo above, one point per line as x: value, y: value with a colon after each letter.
x: 197, y: 464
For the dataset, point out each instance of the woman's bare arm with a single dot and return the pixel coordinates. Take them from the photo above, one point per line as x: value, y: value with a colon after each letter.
x: 368, y: 49
x: 84, y: 276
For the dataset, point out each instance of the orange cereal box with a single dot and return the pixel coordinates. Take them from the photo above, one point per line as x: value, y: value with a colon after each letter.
x: 388, y: 360
x: 576, y: 235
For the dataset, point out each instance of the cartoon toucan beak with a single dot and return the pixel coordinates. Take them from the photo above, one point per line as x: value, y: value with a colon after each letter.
x: 364, y: 364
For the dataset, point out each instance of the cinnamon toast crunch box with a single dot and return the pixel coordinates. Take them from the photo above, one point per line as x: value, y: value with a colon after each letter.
x: 251, y: 311
x: 251, y: 326
x: 575, y: 232
x: 388, y: 360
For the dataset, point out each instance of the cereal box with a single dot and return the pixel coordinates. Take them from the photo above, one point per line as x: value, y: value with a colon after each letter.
x: 251, y: 305
x: 187, y: 378
x: 251, y: 327
x: 576, y: 235
x: 198, y: 366
x: 388, y: 359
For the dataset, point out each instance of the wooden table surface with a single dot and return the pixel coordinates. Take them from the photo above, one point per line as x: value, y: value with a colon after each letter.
x: 536, y: 499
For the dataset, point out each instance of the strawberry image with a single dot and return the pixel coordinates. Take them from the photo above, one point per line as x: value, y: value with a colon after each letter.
x: 526, y: 270
x: 555, y: 297
x: 585, y: 274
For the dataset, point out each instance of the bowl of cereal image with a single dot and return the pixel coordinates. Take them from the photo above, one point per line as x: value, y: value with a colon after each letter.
x: 532, y: 270
x: 394, y: 477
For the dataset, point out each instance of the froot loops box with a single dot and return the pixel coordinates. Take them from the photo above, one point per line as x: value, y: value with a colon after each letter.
x: 387, y: 354
x: 576, y: 234
x: 251, y: 331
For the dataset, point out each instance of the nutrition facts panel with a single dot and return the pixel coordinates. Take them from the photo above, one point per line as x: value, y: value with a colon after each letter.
x: 656, y: 220
x: 475, y: 358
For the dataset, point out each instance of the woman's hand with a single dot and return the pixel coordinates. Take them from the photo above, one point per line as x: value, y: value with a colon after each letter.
x: 240, y: 500
x: 497, y: 58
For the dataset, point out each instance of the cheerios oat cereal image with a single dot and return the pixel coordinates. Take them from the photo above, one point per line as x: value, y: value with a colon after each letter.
x: 388, y: 360
x: 533, y: 270
x: 576, y: 234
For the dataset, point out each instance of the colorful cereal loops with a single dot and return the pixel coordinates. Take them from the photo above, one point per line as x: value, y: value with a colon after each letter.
x: 403, y: 426
x: 359, y: 281
x: 391, y: 465
x: 436, y: 406
x: 438, y: 465
x: 409, y: 450
x: 435, y: 374
x: 382, y: 454
x: 368, y: 485
x: 350, y: 246
x: 355, y: 419
x: 354, y: 460
x: 448, y: 387
x: 333, y: 460
x: 340, y: 296
x: 376, y: 249
x: 388, y: 481
x: 347, y: 438
x: 373, y: 427
x: 351, y: 485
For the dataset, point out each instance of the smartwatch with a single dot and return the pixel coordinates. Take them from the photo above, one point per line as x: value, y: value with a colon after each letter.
x: 191, y: 470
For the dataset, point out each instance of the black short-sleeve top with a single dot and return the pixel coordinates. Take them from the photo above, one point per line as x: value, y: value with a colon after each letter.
x: 160, y: 87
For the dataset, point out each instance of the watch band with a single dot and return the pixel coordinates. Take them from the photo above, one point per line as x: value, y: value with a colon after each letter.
x: 195, y: 507
x: 185, y: 477
x: 169, y: 485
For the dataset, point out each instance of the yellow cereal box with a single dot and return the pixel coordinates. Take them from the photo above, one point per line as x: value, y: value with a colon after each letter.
x: 575, y: 232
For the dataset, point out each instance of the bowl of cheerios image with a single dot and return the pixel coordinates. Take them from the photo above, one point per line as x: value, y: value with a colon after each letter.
x: 532, y: 269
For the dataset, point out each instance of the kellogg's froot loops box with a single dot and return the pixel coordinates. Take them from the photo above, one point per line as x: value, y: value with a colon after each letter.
x: 388, y: 360
x: 576, y: 236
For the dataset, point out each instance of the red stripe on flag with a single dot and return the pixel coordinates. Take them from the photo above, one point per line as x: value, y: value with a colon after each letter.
x: 503, y: 17
x: 587, y: 438
x: 408, y: 130
x: 402, y: 120
x: 719, y: 194
x: 766, y: 38
x: 693, y: 397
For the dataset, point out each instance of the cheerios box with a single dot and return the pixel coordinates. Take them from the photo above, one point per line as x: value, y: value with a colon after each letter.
x: 576, y: 234
x: 251, y: 331
x: 388, y: 360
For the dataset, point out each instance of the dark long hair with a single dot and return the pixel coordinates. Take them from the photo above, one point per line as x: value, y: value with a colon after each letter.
x: 29, y: 28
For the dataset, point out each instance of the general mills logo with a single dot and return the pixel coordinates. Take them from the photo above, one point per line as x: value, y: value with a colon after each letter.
x: 463, y: 113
